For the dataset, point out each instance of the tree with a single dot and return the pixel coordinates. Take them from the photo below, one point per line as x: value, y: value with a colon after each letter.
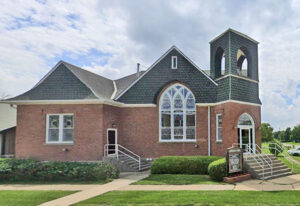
x: 266, y: 132
x: 281, y: 136
x: 287, y: 134
x: 276, y: 134
x: 295, y: 136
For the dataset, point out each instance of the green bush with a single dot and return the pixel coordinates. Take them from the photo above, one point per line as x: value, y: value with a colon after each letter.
x: 217, y: 169
x: 278, y: 150
x: 182, y: 164
x: 34, y: 170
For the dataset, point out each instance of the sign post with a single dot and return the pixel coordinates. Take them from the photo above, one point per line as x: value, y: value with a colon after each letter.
x: 234, y: 166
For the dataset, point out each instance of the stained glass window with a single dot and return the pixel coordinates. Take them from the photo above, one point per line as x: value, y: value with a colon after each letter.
x: 177, y: 114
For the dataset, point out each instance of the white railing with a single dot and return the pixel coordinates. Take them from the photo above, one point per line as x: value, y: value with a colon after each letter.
x: 116, y: 149
x: 261, y: 158
x: 280, y: 150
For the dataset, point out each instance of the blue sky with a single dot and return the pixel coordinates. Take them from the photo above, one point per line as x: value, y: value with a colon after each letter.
x: 110, y: 37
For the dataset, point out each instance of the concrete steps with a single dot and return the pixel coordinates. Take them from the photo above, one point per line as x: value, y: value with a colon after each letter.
x: 265, y: 166
x: 145, y: 165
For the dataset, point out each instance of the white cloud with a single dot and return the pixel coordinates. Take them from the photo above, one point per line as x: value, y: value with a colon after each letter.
x: 33, y: 34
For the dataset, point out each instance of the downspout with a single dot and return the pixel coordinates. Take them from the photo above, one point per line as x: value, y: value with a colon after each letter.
x: 208, y: 125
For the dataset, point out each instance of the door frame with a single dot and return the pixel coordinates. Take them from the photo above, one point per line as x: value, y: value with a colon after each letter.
x: 247, y: 127
x: 249, y: 138
x: 116, y: 138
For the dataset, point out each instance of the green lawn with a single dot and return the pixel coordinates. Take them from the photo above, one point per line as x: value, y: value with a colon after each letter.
x: 194, y: 198
x: 99, y: 182
x: 28, y: 198
x: 172, y: 179
x: 292, y: 143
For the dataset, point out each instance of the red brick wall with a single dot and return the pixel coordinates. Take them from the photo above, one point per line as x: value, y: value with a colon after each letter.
x: 88, y: 132
x: 230, y: 114
x: 138, y: 130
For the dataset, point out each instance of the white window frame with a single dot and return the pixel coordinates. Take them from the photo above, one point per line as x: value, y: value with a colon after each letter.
x: 60, y: 129
x: 172, y: 117
x: 172, y: 62
x: 218, y: 138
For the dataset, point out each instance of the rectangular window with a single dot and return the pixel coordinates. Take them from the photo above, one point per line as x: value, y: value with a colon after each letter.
x: 166, y: 125
x: 174, y: 62
x: 60, y: 128
x: 190, y: 125
x: 219, y: 128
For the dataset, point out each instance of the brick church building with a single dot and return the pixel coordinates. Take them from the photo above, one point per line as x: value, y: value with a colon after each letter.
x: 172, y: 108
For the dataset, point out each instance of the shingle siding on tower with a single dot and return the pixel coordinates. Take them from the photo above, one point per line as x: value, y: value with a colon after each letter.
x: 149, y: 86
x: 243, y: 90
x: 236, y: 43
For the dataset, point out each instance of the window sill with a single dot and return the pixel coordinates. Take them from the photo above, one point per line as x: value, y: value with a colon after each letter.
x: 57, y: 143
x: 219, y: 142
x: 193, y: 141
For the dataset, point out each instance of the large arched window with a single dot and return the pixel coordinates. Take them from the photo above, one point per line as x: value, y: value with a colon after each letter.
x: 177, y: 114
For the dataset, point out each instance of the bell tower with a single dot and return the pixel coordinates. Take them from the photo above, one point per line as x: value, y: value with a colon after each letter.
x: 234, y: 66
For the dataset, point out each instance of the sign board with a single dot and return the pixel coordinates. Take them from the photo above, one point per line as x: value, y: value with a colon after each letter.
x: 234, y: 160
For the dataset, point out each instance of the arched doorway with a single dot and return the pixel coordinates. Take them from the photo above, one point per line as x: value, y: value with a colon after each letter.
x: 246, y: 133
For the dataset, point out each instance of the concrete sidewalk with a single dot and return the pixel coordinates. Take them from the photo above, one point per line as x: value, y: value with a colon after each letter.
x: 125, y: 179
x: 291, y: 182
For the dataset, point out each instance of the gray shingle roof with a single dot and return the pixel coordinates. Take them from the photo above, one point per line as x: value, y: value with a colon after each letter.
x: 60, y: 83
x: 101, y: 86
x: 124, y: 82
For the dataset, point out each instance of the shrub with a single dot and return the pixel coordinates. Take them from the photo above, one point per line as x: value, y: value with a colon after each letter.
x: 278, y: 150
x: 182, y: 164
x: 217, y: 169
x: 34, y: 170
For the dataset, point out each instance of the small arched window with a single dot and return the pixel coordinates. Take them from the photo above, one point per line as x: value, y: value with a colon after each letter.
x: 245, y: 120
x: 177, y: 114
x: 242, y: 62
x: 220, y: 62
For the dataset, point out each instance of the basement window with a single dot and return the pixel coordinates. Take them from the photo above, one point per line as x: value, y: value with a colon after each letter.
x: 174, y: 62
x: 219, y: 128
x: 60, y: 128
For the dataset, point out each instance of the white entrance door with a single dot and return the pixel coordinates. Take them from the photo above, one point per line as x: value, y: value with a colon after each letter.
x: 246, y: 140
x: 246, y: 133
x: 112, y: 141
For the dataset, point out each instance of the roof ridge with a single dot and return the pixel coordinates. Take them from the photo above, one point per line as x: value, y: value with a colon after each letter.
x: 234, y: 31
x: 77, y: 67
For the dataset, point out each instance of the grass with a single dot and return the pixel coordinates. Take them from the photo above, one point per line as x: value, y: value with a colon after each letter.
x: 296, y: 169
x: 194, y: 198
x: 175, y: 179
x: 32, y: 182
x: 292, y: 143
x: 28, y: 198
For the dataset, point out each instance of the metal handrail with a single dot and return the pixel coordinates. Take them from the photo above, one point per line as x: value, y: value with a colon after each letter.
x: 263, y: 153
x: 117, y: 151
x: 257, y: 157
x: 287, y: 157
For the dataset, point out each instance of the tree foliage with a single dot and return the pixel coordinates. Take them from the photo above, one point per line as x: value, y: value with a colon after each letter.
x: 266, y: 132
x: 295, y: 135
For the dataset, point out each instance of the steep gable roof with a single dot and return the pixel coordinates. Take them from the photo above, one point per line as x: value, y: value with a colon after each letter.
x: 66, y: 81
x: 156, y: 62
x: 101, y: 86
